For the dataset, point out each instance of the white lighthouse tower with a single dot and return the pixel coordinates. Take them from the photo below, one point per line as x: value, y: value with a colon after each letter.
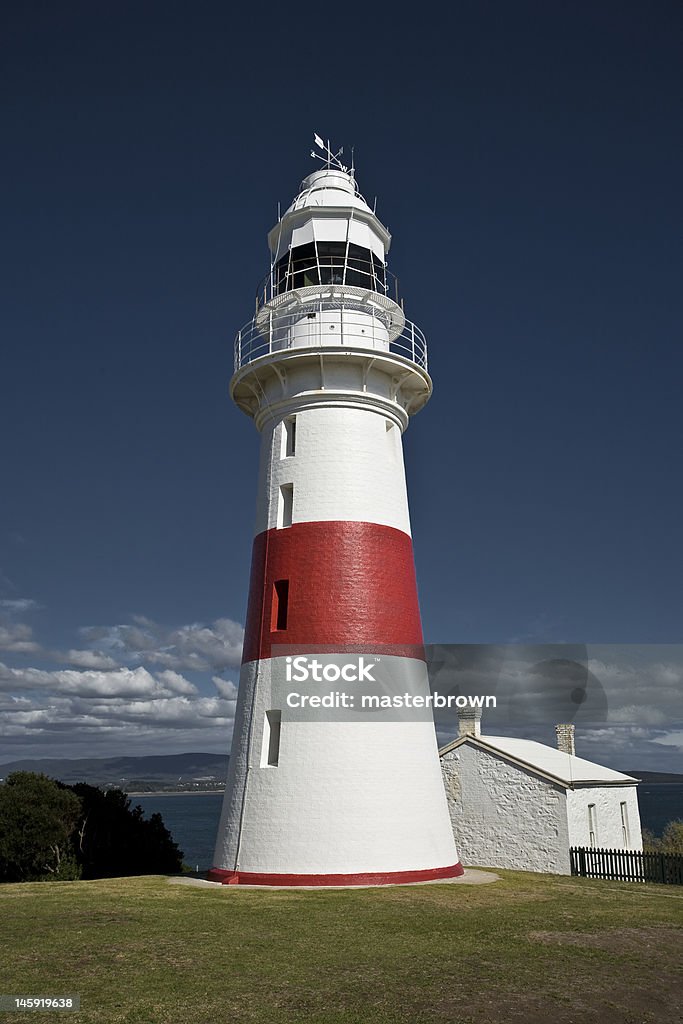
x: 330, y: 371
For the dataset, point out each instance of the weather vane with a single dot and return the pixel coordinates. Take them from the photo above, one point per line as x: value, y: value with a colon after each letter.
x: 331, y: 159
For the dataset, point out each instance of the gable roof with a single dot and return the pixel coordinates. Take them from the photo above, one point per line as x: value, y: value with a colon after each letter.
x: 566, y: 769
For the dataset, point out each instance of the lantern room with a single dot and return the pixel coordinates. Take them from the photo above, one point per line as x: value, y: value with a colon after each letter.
x: 329, y: 235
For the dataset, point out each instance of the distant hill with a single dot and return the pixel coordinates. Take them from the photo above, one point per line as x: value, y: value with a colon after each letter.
x: 672, y: 777
x: 154, y: 773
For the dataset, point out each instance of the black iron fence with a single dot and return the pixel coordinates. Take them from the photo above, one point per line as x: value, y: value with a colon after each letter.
x: 627, y: 865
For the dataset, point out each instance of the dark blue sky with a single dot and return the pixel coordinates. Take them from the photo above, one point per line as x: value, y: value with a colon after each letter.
x: 527, y: 158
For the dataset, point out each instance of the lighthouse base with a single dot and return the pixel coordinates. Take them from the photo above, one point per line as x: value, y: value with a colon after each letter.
x: 366, y: 878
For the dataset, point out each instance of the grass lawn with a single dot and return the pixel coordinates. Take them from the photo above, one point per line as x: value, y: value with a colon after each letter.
x: 533, y: 949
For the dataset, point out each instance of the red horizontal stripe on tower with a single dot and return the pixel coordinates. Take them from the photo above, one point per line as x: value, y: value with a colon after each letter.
x: 348, y: 584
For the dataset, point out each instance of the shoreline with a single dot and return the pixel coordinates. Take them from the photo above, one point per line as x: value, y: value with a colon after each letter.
x: 181, y: 792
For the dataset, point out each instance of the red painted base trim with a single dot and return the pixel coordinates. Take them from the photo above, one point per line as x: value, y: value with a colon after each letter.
x: 368, y: 878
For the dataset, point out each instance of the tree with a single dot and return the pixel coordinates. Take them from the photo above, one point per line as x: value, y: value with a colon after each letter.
x: 114, y: 839
x: 49, y: 830
x: 670, y: 841
x: 650, y: 840
x: 37, y: 820
x: 672, y: 837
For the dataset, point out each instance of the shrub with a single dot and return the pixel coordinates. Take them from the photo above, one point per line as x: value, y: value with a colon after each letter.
x: 49, y: 830
x: 37, y: 822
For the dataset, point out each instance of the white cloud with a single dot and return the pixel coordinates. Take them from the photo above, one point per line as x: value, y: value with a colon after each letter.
x: 62, y: 707
x: 17, y: 637
x: 8, y: 702
x: 126, y: 686
x: 90, y: 683
x: 74, y: 715
x: 637, y: 714
x: 174, y: 681
x: 194, y: 647
x: 618, y: 736
x: 89, y: 659
x: 671, y: 739
x: 637, y: 681
x: 19, y: 605
x: 170, y: 711
x: 225, y: 687
x: 40, y: 715
x: 667, y: 674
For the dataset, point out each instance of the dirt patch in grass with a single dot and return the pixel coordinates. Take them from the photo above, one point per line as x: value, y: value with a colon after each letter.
x: 620, y: 940
x: 624, y: 975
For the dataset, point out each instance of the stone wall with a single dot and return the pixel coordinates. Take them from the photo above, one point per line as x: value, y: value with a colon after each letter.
x: 503, y: 816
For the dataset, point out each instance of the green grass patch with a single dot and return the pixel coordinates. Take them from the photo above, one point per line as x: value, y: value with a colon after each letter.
x: 527, y: 949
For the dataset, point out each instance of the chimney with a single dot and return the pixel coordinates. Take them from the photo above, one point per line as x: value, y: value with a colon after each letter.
x: 565, y: 738
x: 469, y: 722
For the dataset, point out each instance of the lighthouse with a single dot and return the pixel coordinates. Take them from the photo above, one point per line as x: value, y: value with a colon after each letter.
x: 330, y: 370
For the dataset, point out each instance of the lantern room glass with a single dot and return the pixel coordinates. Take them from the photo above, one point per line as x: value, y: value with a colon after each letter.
x: 321, y: 263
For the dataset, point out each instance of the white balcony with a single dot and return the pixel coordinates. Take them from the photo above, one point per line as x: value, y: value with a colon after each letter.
x: 341, y: 317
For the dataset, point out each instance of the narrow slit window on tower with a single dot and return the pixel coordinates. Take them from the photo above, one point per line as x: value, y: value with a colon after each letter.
x: 270, y: 751
x: 289, y: 437
x: 592, y: 825
x: 278, y: 619
x: 285, y: 505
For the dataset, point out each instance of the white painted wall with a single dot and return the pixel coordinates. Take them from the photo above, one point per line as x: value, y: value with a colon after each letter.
x: 329, y: 228
x: 345, y: 798
x: 503, y: 816
x: 348, y: 467
x: 607, y: 801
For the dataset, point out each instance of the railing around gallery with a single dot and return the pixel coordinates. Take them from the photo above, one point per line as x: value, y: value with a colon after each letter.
x: 324, y: 270
x: 324, y: 326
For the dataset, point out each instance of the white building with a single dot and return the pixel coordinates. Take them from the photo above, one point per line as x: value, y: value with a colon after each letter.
x: 519, y: 804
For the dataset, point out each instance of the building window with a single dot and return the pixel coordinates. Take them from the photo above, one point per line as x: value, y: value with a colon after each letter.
x: 592, y: 825
x: 624, y: 825
x: 270, y: 755
x: 280, y: 604
x: 289, y: 437
x: 285, y: 506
